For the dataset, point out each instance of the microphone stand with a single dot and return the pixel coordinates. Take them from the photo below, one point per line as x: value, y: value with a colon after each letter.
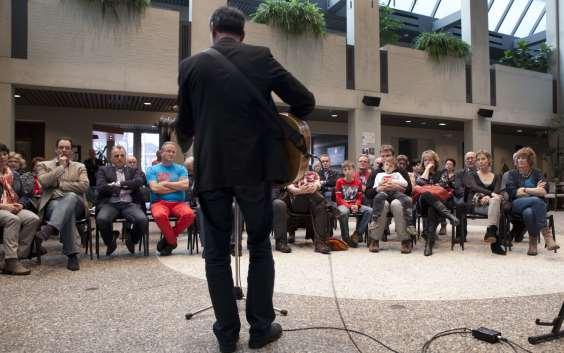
x: 237, y: 289
x: 555, y: 334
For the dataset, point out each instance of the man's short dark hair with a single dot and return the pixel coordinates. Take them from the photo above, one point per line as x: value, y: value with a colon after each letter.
x: 63, y: 139
x: 227, y: 19
x: 4, y: 148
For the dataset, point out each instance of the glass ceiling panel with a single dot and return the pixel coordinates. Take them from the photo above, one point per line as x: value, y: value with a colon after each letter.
x: 513, y: 16
x: 447, y: 7
x: 542, y: 25
x: 401, y: 4
x: 530, y: 19
x: 425, y: 7
x: 496, y: 11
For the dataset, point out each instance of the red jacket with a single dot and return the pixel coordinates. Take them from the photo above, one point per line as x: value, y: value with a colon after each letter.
x: 348, y: 193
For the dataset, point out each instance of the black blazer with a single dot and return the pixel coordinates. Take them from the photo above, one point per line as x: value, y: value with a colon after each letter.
x: 230, y: 135
x: 134, y: 180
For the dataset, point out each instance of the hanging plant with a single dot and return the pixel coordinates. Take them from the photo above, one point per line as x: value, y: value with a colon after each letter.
x: 389, y: 27
x: 115, y: 7
x: 441, y: 44
x: 291, y: 16
x: 523, y: 57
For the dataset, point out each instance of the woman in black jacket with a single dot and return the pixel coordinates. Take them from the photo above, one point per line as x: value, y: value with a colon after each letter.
x: 484, y: 198
x: 429, y: 204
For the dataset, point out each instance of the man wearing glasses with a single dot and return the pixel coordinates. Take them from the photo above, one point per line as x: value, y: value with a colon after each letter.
x: 64, y: 183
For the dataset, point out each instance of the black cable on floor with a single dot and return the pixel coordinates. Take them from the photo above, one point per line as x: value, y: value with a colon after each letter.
x: 506, y: 340
x: 454, y: 331
x: 345, y: 327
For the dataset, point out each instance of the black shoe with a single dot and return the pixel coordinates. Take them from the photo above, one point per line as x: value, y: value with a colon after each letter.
x: 282, y: 247
x: 111, y: 248
x: 72, y: 263
x: 428, y: 247
x: 229, y: 347
x: 130, y: 246
x: 167, y: 251
x: 291, y: 237
x: 498, y: 249
x: 274, y: 333
x: 45, y: 232
x: 161, y: 244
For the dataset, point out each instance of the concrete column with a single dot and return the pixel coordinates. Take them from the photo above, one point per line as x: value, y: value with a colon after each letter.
x: 366, y: 44
x: 5, y: 28
x: 555, y: 38
x: 365, y: 131
x: 474, y: 21
x: 201, y: 10
x: 477, y: 135
x: 7, y: 116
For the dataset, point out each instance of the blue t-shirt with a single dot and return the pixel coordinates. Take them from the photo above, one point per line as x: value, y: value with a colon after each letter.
x: 161, y: 173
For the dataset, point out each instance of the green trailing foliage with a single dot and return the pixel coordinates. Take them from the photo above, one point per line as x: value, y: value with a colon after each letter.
x: 524, y: 57
x: 441, y: 44
x: 291, y: 16
x: 389, y: 26
x: 114, y: 7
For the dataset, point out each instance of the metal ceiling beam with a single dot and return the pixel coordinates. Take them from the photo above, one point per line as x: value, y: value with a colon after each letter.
x: 504, y: 15
x: 537, y: 22
x: 527, y: 7
x: 436, y: 8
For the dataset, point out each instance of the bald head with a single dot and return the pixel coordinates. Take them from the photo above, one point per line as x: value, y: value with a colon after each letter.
x: 189, y: 164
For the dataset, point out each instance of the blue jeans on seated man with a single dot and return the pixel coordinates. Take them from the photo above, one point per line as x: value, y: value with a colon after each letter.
x: 532, y: 210
x: 62, y: 213
x: 256, y: 204
x: 364, y: 212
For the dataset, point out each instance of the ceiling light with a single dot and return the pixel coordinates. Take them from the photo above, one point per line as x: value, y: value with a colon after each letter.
x: 17, y: 96
x: 147, y: 103
x: 442, y: 124
x: 408, y: 121
x: 334, y: 115
x: 519, y: 131
x: 423, y: 123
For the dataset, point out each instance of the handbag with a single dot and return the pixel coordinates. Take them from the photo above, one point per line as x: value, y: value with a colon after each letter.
x: 337, y: 244
x: 287, y: 147
x: 436, y: 190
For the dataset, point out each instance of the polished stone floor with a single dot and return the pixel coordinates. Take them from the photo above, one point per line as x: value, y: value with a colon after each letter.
x: 128, y: 303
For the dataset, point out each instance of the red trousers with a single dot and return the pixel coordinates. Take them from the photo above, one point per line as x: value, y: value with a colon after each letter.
x: 161, y: 211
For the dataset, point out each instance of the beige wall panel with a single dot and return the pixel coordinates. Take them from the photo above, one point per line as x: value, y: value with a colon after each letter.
x: 71, y: 46
x: 367, y: 45
x: 412, y: 73
x: 519, y: 89
x: 5, y: 28
x: 7, y: 121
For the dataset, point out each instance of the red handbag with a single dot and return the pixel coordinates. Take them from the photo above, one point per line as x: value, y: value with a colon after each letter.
x: 438, y: 191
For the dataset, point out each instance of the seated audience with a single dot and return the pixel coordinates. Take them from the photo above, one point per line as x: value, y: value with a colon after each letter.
x: 447, y: 179
x: 19, y: 225
x: 364, y: 170
x: 348, y: 192
x: 377, y: 231
x: 526, y: 188
x: 391, y: 185
x: 119, y: 196
x: 303, y: 197
x: 483, y: 195
x: 280, y: 221
x: 327, y: 177
x: 32, y: 195
x: 64, y: 184
x: 431, y: 206
x: 16, y: 162
x: 168, y: 182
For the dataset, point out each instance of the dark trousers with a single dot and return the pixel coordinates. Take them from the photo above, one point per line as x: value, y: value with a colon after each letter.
x: 256, y: 204
x: 130, y: 211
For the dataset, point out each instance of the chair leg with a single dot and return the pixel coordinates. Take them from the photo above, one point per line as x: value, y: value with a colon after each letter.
x: 97, y: 243
x: 37, y: 250
x: 89, y: 230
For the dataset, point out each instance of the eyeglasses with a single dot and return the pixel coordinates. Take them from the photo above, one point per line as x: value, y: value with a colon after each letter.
x: 64, y: 148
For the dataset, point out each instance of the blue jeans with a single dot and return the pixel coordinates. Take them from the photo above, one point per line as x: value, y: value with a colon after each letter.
x: 532, y: 210
x: 364, y: 212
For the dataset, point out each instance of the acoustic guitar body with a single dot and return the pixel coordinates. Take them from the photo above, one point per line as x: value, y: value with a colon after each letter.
x: 297, y: 162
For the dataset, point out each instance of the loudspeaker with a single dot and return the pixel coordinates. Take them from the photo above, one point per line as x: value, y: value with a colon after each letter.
x: 371, y: 101
x: 485, y: 113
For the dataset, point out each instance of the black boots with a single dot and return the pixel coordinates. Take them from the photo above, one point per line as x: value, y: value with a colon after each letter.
x: 431, y: 231
x: 443, y: 211
x: 497, y: 248
x: 491, y: 234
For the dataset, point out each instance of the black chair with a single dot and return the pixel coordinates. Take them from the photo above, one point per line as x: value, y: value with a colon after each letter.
x: 124, y: 226
x: 84, y: 227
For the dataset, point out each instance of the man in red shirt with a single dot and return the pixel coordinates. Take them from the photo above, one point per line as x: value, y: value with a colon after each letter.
x: 348, y: 192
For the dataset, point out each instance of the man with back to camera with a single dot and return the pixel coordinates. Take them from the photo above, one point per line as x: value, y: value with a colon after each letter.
x: 231, y: 132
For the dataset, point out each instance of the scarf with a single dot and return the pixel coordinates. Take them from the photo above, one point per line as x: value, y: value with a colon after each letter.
x: 8, y: 194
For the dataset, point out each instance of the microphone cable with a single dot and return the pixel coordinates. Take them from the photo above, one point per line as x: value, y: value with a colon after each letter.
x: 345, y: 327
